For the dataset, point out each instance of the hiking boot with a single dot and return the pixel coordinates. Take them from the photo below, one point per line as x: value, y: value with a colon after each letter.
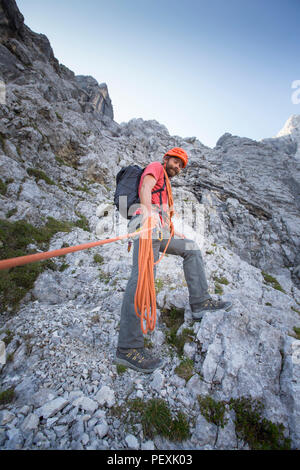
x: 209, y: 305
x: 138, y: 359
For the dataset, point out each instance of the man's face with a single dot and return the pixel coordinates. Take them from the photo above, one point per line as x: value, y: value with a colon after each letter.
x: 174, y: 166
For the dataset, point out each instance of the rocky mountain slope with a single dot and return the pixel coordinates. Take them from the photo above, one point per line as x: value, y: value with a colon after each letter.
x: 60, y: 150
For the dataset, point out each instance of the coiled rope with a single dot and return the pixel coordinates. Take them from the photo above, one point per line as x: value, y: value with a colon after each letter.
x: 145, y: 298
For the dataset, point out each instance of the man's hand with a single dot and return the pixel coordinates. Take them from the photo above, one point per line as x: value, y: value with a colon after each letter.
x: 179, y: 234
x: 155, y: 217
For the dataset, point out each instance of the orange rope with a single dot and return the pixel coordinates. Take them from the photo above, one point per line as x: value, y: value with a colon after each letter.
x: 20, y: 260
x: 145, y: 298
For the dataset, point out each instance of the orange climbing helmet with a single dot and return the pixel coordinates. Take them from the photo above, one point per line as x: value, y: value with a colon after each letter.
x: 180, y: 153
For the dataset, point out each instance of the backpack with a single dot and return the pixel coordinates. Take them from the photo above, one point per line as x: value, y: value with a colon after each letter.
x: 127, y: 184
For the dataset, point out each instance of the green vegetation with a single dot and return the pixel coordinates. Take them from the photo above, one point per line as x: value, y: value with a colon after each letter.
x: 3, y: 187
x: 2, y: 141
x: 185, y: 369
x: 209, y: 252
x: 83, y: 188
x: 272, y: 282
x: 7, y: 396
x: 295, y: 309
x: 82, y: 222
x: 258, y: 432
x: 121, y: 369
x: 39, y: 175
x: 104, y: 277
x: 173, y: 319
x: 60, y: 161
x: 11, y: 212
x: 212, y: 410
x: 148, y: 343
x: 98, y: 258
x: 221, y: 280
x: 14, y: 239
x: 269, y: 304
x: 218, y: 289
x: 178, y: 341
x: 9, y: 357
x: 59, y: 117
x: 8, y: 338
x: 63, y: 267
x: 155, y: 417
x: 297, y: 331
x: 158, y: 285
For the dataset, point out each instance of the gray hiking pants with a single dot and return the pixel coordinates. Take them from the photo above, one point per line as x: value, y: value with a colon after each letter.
x: 130, y: 335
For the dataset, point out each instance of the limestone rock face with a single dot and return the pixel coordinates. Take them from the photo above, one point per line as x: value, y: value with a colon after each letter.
x: 22, y: 50
x: 291, y: 130
x: 60, y: 151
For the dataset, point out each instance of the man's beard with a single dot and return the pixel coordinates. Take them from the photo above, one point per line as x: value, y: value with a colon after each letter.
x: 171, y: 173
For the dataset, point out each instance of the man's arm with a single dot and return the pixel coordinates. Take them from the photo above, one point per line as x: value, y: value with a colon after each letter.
x: 146, y: 196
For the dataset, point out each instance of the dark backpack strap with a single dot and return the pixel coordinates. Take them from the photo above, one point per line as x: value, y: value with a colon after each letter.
x: 160, y: 190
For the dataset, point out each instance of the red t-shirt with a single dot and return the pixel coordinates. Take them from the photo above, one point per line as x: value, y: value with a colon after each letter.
x: 156, y: 170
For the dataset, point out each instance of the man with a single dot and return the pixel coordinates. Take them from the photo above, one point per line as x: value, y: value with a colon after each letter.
x: 154, y: 201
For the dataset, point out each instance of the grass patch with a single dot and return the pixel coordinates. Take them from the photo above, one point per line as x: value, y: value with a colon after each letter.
x: 98, y: 258
x: 104, y: 277
x: 2, y: 141
x: 7, y: 396
x: 148, y: 343
x: 8, y: 338
x: 295, y: 309
x: 11, y: 212
x: 121, y: 369
x: 258, y: 432
x: 272, y: 282
x: 82, y: 222
x: 3, y: 187
x: 39, y: 175
x: 156, y: 418
x: 83, y: 188
x: 218, y: 289
x: 60, y: 161
x: 59, y: 117
x: 158, y: 285
x: 14, y: 239
x: 173, y: 319
x: 185, y: 369
x: 297, y: 331
x: 63, y: 267
x: 212, y: 410
x: 221, y: 280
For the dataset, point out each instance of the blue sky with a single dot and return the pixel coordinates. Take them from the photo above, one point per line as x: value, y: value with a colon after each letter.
x: 200, y: 67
